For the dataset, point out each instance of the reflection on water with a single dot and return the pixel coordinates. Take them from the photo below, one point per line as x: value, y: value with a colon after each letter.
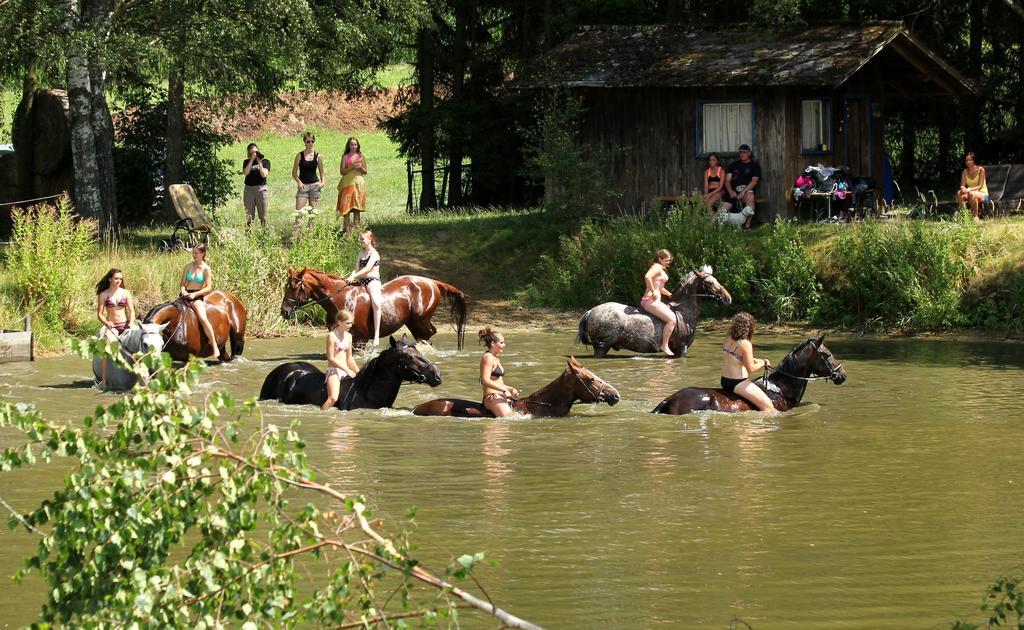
x: 888, y: 502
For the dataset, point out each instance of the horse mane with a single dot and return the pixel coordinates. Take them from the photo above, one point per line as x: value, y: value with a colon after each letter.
x: 318, y: 274
x: 369, y: 370
x: 178, y: 330
x: 788, y: 363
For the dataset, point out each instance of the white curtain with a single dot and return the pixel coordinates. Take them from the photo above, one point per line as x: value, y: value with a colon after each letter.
x: 813, y: 125
x: 725, y: 126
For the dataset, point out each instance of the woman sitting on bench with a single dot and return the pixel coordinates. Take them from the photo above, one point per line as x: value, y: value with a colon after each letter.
x: 973, y: 187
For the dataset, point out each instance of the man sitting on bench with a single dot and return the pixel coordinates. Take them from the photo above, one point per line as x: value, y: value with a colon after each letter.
x: 741, y: 178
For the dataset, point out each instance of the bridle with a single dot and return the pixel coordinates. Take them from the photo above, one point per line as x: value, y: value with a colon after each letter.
x: 306, y: 300
x: 703, y: 278
x: 833, y: 375
x: 599, y: 394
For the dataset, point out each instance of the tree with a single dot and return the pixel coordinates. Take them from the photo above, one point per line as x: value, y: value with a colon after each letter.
x: 173, y: 519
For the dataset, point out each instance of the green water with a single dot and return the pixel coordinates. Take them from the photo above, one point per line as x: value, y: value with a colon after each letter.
x: 888, y: 502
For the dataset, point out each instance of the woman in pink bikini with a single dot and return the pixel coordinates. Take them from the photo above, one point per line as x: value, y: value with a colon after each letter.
x: 114, y: 308
x: 654, y: 281
x: 340, y: 363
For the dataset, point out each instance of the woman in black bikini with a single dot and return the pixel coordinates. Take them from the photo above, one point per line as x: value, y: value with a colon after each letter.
x: 496, y: 393
x: 367, y: 273
x: 738, y: 362
x: 114, y: 308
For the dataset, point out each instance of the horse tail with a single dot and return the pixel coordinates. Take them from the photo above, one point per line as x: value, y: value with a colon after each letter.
x: 457, y: 299
x: 581, y: 334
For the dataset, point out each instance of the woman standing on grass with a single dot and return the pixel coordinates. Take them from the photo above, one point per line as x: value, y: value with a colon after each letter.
x: 196, y: 284
x: 367, y: 274
x: 654, y: 283
x: 352, y: 187
x: 496, y: 393
x: 738, y: 363
x: 340, y: 364
x: 308, y: 173
x: 115, y: 309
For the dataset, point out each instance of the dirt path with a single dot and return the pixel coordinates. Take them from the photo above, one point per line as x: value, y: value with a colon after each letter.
x: 487, y: 305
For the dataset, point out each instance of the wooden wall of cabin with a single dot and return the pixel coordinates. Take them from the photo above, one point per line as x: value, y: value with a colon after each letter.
x: 648, y: 140
x: 865, y: 87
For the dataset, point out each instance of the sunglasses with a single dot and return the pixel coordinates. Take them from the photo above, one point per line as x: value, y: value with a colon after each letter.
x: 310, y: 141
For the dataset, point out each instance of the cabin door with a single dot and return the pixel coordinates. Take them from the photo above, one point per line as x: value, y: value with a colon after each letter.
x: 857, y: 134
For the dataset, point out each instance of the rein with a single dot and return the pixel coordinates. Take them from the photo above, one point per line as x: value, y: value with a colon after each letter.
x: 830, y: 376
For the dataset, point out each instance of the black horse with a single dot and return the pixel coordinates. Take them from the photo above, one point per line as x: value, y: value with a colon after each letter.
x: 375, y: 386
x: 613, y: 325
x: 810, y: 360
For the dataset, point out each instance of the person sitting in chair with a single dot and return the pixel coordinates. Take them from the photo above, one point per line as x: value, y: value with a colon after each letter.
x: 741, y: 178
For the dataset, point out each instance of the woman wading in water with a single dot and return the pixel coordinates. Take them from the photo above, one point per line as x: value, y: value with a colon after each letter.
x: 115, y: 309
x: 497, y: 394
x: 738, y: 363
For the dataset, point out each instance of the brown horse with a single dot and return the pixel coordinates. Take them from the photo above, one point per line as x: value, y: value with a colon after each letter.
x: 406, y: 300
x: 554, y: 400
x: 184, y: 336
x: 809, y: 361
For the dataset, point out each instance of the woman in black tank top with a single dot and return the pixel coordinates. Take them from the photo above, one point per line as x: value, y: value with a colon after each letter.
x: 308, y: 173
x: 714, y: 182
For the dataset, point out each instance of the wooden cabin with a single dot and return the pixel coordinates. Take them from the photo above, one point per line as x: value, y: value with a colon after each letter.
x: 660, y: 98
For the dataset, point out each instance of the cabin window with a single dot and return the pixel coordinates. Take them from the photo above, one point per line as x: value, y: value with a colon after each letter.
x: 724, y: 126
x: 815, y: 126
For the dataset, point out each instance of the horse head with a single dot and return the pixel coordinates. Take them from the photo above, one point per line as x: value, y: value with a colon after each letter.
x: 411, y: 365
x: 144, y: 338
x: 824, y: 363
x: 591, y: 388
x: 296, y: 291
x: 701, y: 282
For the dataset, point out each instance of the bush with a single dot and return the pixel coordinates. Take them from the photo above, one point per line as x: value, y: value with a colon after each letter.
x: 787, y: 286
x: 907, y: 274
x: 607, y: 261
x: 44, y: 260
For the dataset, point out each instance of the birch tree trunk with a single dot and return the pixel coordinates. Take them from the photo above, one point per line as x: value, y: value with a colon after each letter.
x: 88, y: 200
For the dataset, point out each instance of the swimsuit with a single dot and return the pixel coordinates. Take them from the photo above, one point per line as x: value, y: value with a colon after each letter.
x: 338, y: 347
x: 714, y: 180
x: 729, y: 384
x: 362, y: 264
x: 497, y: 371
x: 659, y: 283
x: 122, y: 302
x: 191, y: 276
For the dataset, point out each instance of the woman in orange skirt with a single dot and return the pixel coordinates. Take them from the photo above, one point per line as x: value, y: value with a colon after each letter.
x: 352, y: 187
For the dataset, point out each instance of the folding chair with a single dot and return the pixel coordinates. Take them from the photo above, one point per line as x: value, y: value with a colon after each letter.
x: 193, y: 226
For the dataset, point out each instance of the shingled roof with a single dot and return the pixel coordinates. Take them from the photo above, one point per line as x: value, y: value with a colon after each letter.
x: 669, y: 55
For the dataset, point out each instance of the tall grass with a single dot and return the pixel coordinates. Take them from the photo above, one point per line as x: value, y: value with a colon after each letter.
x: 44, y: 263
x: 908, y: 274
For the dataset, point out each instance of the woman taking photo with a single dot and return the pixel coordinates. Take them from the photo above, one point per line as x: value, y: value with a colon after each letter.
x: 497, y: 394
x: 196, y: 284
x: 340, y: 364
x: 714, y: 183
x: 308, y: 173
x: 352, y: 187
x: 654, y: 281
x: 367, y: 274
x: 254, y: 196
x: 114, y: 308
x: 738, y: 363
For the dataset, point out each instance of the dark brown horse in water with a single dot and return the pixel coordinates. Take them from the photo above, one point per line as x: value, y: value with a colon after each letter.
x: 809, y: 361
x: 554, y: 400
x: 406, y: 300
x: 184, y: 336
